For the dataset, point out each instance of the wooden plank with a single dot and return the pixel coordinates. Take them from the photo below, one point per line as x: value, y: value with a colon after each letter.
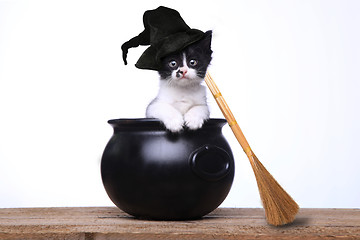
x: 223, y: 223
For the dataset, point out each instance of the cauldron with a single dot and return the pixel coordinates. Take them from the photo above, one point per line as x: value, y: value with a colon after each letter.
x: 151, y: 173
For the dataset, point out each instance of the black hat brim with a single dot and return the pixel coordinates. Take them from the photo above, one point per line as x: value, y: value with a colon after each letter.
x: 152, y: 56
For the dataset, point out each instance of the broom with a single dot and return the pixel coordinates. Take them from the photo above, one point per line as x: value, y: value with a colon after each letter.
x: 279, y: 207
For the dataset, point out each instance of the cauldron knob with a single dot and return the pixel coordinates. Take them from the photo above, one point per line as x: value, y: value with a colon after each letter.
x: 210, y: 162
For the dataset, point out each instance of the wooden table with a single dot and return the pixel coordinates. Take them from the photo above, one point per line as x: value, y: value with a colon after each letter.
x: 223, y: 223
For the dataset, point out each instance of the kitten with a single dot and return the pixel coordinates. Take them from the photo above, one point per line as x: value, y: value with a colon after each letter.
x: 181, y: 100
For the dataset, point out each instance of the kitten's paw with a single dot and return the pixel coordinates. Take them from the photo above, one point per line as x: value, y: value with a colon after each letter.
x: 174, y: 124
x: 193, y: 121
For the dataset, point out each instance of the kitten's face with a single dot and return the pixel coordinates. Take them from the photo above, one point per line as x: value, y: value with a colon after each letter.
x: 189, y: 66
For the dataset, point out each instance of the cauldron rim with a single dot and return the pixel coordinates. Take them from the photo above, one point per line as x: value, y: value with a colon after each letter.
x: 154, y: 122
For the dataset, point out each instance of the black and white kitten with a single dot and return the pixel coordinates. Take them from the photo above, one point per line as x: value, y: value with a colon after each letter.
x: 181, y: 100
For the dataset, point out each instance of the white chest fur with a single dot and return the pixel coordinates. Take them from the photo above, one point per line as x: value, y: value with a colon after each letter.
x: 178, y: 106
x: 182, y: 98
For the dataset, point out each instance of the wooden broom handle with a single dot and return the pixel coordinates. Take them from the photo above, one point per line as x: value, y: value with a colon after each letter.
x: 228, y: 114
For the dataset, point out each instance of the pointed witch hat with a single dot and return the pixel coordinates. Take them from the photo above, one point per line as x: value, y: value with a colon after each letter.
x: 166, y: 32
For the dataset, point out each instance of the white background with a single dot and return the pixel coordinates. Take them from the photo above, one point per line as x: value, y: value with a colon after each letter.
x: 289, y: 71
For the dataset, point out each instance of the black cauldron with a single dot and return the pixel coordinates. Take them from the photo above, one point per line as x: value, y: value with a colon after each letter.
x: 152, y: 173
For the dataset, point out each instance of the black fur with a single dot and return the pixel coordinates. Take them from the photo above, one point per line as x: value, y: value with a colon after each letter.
x: 199, y: 51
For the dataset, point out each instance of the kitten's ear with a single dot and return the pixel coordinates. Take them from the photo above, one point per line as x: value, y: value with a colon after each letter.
x: 208, y: 35
x: 206, y: 41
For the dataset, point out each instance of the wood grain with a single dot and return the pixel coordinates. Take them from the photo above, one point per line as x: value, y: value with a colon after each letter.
x: 223, y: 223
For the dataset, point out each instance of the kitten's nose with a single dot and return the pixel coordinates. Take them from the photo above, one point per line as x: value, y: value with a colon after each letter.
x: 183, y: 71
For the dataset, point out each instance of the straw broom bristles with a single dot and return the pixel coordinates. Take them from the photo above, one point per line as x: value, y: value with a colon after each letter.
x: 279, y: 207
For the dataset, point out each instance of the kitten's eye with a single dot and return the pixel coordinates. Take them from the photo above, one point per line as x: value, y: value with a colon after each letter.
x: 193, y: 62
x: 173, y: 63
